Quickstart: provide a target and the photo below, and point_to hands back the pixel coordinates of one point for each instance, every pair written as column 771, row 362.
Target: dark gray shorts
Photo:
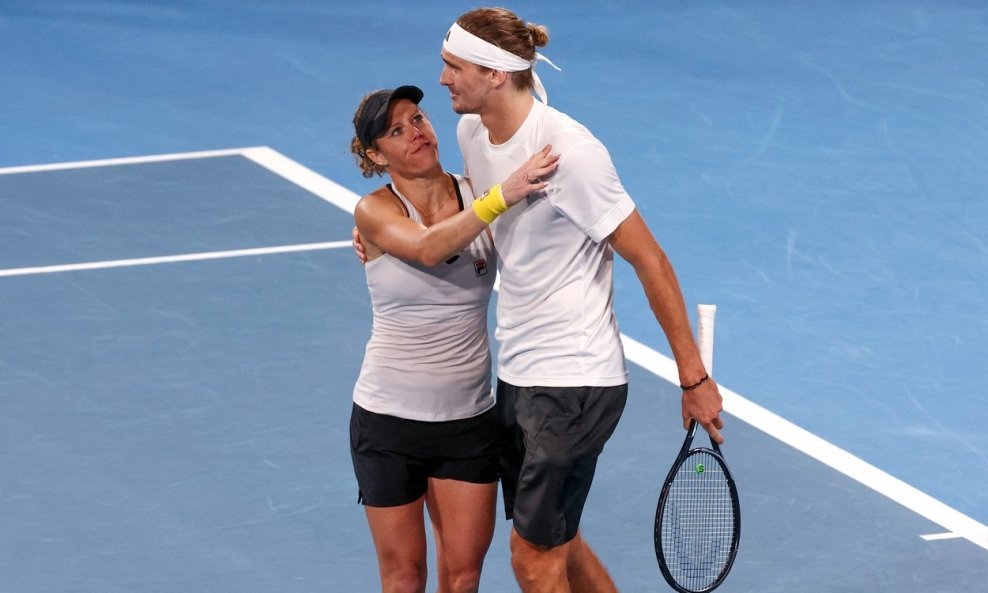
column 393, row 458
column 548, row 453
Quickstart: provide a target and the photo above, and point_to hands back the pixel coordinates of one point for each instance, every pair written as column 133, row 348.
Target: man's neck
column 503, row 118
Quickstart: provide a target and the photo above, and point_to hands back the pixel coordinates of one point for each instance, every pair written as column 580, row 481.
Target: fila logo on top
column 480, row 267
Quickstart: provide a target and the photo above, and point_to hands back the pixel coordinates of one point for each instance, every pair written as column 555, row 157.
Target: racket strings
column 697, row 524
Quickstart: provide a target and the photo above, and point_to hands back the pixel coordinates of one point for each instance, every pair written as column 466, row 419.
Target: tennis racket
column 698, row 518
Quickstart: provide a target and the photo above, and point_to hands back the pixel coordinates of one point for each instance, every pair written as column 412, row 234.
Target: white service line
column 939, row 536
column 166, row 259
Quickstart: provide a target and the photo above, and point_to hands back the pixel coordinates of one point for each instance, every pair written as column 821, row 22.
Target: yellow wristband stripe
column 490, row 205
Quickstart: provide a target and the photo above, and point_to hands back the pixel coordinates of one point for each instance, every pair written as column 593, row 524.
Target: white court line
column 956, row 523
column 303, row 177
column 156, row 158
column 802, row 440
column 167, row 259
column 262, row 155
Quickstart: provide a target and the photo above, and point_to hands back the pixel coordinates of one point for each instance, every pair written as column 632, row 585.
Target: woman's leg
column 399, row 538
column 462, row 516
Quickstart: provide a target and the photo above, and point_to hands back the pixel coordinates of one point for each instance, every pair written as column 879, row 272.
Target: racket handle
column 705, row 335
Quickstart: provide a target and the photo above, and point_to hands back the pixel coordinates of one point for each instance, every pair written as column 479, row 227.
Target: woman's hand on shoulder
column 530, row 177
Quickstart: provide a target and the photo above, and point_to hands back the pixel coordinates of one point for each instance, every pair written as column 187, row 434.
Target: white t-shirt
column 555, row 319
column 428, row 357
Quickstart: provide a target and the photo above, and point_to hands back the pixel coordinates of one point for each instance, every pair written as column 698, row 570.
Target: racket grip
column 705, row 335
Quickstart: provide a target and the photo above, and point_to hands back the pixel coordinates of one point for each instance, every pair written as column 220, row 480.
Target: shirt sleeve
column 588, row 191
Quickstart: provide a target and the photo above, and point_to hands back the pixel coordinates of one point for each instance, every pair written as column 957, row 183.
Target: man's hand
column 704, row 404
column 359, row 248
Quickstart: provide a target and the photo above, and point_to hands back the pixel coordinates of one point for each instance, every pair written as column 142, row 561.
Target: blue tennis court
column 184, row 318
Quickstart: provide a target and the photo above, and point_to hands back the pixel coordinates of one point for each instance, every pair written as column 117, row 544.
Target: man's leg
column 585, row 571
column 539, row 569
column 547, row 485
column 572, row 567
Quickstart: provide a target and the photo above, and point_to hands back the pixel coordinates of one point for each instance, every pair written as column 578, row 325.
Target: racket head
column 697, row 522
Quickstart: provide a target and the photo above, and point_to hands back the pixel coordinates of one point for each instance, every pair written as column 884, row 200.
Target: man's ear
column 499, row 78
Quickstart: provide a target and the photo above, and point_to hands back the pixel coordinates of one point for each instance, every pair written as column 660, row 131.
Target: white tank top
column 428, row 357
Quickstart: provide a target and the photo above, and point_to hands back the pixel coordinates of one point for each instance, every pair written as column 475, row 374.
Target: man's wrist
column 704, row 379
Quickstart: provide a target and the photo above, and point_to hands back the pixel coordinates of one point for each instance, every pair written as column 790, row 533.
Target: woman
column 423, row 429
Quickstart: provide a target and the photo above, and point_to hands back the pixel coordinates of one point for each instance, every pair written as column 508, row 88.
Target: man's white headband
column 467, row 46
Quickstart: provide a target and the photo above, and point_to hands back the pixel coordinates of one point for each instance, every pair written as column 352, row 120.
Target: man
column 562, row 380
